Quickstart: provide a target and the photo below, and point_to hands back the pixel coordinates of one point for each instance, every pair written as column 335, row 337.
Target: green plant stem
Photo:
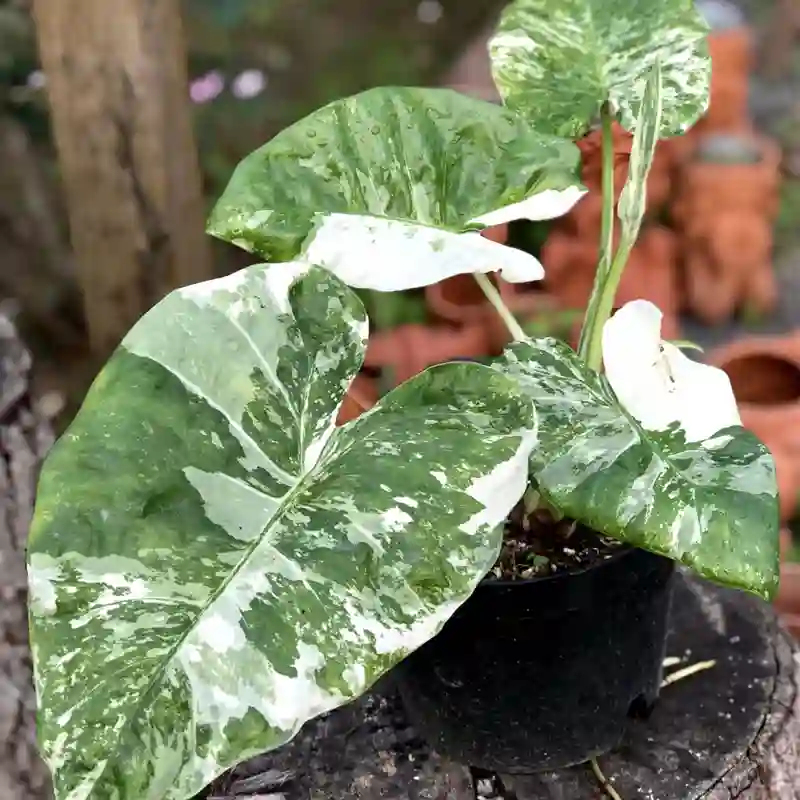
column 609, row 268
column 493, row 296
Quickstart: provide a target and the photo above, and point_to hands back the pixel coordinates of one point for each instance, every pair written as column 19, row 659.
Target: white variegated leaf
column 395, row 177
column 212, row 563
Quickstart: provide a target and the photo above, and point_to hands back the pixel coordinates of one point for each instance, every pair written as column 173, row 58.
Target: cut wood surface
column 732, row 731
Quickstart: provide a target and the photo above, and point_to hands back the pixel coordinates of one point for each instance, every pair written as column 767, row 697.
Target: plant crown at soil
column 213, row 562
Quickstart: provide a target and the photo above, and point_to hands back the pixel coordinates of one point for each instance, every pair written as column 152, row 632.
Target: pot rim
column 621, row 552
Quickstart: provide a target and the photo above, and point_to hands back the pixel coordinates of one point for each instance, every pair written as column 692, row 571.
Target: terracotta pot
column 710, row 293
column 659, row 182
column 592, row 158
column 361, row 396
column 651, row 273
column 460, row 301
column 765, row 375
column 787, row 602
column 724, row 213
column 786, row 540
column 787, row 469
column 409, row 349
column 497, row 233
column 731, row 53
column 729, row 267
column 585, row 218
column 707, row 187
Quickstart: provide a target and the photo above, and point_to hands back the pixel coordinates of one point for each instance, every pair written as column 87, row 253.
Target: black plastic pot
column 543, row 674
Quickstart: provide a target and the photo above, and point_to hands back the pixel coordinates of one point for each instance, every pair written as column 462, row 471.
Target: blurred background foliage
column 258, row 65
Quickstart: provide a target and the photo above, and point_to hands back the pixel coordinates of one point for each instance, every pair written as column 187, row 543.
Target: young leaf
column 632, row 201
column 711, row 505
column 212, row 563
column 381, row 187
column 657, row 383
column 559, row 61
column 685, row 344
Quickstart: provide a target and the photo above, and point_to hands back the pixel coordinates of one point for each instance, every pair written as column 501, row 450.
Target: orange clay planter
column 592, row 159
column 659, row 182
column 731, row 53
column 765, row 375
column 730, row 267
column 409, row 349
column 788, row 600
column 650, row 274
column 724, row 211
column 460, row 301
column 728, row 171
column 787, row 468
column 361, row 396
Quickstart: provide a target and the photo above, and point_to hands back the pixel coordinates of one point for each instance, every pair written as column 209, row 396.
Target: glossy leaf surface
column 558, row 61
column 711, row 505
column 366, row 174
column 212, row 563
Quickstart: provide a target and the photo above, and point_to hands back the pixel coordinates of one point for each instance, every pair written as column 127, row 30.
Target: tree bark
column 25, row 438
column 118, row 89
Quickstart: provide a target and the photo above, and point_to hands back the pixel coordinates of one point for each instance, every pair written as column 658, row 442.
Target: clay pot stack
column 462, row 325
column 726, row 195
column 765, row 375
column 571, row 251
column 718, row 187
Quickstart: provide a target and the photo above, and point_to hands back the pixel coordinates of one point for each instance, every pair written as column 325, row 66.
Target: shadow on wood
column 730, row 732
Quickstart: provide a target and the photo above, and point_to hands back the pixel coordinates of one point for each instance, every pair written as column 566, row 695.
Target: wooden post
column 118, row 89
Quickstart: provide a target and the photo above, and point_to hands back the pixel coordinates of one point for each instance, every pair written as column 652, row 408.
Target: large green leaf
column 711, row 505
column 379, row 188
column 559, row 61
column 212, row 563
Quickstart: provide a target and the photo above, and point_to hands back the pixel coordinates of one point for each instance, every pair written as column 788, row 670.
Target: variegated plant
column 213, row 562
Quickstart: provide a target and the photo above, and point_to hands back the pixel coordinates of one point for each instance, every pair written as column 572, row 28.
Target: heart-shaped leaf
column 711, row 505
column 380, row 187
column 212, row 563
column 559, row 61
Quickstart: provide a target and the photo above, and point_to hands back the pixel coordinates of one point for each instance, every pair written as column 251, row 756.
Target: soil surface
column 536, row 544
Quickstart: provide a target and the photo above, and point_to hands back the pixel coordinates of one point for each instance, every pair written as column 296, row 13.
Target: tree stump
column 25, row 437
column 732, row 731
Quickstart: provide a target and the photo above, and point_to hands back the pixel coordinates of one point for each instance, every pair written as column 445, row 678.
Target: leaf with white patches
column 558, row 61
column 711, row 504
column 633, row 199
column 212, row 562
column 382, row 188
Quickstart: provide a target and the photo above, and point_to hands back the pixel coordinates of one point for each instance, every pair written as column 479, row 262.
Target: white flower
column 657, row 383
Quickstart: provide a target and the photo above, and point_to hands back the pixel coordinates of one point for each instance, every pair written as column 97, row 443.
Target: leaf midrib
column 301, row 484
